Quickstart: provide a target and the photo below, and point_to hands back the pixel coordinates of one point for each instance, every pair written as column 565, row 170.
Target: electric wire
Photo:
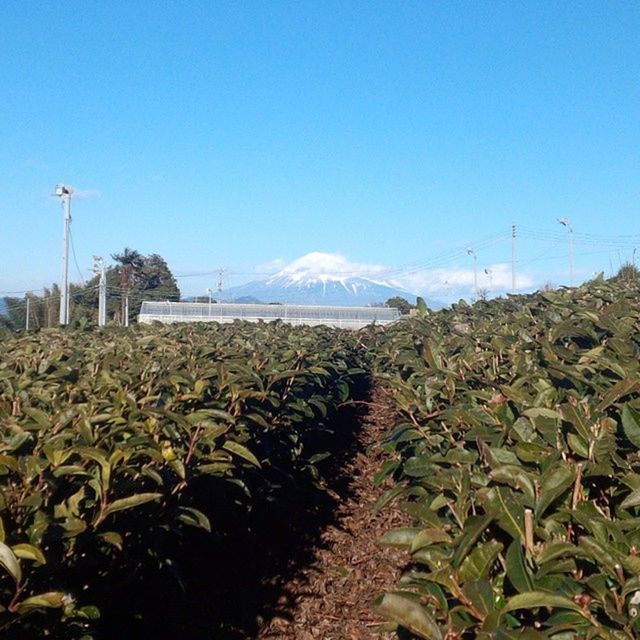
column 75, row 259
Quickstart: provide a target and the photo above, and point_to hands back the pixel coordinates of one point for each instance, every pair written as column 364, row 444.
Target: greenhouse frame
column 226, row 312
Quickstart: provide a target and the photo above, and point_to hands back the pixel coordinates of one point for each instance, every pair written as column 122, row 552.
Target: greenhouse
column 343, row 317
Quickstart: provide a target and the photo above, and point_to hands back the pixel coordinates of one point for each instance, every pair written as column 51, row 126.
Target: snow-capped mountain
column 323, row 279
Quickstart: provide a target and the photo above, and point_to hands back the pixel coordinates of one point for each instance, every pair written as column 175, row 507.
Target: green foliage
column 628, row 273
column 144, row 277
column 109, row 440
column 516, row 452
column 43, row 310
column 400, row 303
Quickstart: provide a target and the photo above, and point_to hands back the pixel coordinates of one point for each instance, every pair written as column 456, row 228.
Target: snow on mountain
column 323, row 279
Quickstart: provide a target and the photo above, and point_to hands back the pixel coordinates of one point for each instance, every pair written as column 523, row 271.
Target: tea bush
column 516, row 454
column 109, row 440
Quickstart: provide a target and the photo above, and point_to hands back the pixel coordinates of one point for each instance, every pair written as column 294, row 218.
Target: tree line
column 134, row 275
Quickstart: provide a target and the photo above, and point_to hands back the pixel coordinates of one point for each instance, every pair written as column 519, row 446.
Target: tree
column 44, row 310
column 141, row 277
column 629, row 273
column 404, row 306
column 131, row 262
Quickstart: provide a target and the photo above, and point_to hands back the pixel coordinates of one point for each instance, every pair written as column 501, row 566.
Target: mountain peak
column 324, row 267
column 323, row 279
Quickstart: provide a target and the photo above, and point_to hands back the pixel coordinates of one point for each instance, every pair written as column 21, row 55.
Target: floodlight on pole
column 489, row 273
column 565, row 222
column 472, row 253
column 65, row 193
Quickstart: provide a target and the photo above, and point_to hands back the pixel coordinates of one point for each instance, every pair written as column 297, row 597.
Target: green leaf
column 401, row 537
column 632, row 500
column 619, row 390
column 10, row 562
column 241, row 451
column 473, row 529
column 479, row 562
column 553, row 485
column 410, row 615
column 131, row 501
column 517, row 571
column 535, row 599
column 113, row 538
column 28, row 552
column 515, row 477
column 49, row 600
column 481, row 595
column 194, row 518
column 599, row 554
column 578, row 445
column 572, row 415
column 631, row 424
column 90, row 612
column 429, row 536
column 38, row 415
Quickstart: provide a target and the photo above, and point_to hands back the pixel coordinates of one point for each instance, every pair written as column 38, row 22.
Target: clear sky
column 247, row 134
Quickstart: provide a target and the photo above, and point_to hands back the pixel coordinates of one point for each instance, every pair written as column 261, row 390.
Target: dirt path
column 331, row 597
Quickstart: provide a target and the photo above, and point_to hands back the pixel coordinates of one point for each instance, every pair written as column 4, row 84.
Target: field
column 169, row 481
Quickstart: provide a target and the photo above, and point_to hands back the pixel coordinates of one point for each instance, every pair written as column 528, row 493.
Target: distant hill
column 309, row 280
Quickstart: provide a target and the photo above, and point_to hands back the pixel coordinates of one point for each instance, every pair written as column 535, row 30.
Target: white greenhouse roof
column 345, row 317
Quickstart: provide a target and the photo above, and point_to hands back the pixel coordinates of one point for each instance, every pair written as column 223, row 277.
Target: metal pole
column 26, row 320
column 126, row 309
column 102, row 295
column 513, row 258
column 65, row 194
column 472, row 253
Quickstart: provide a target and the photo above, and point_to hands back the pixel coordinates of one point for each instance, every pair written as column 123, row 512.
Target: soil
column 331, row 596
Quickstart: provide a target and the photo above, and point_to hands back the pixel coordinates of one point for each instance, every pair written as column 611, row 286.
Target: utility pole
column 472, row 253
column 565, row 222
column 209, row 292
column 221, row 272
column 513, row 258
column 98, row 268
column 65, row 193
column 26, row 320
column 124, row 306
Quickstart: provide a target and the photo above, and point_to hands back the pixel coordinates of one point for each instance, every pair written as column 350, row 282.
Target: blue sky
column 247, row 134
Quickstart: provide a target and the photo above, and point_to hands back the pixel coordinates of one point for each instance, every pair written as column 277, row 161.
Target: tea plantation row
column 114, row 443
column 517, row 455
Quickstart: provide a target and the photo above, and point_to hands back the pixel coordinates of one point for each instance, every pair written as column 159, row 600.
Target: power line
column 75, row 260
